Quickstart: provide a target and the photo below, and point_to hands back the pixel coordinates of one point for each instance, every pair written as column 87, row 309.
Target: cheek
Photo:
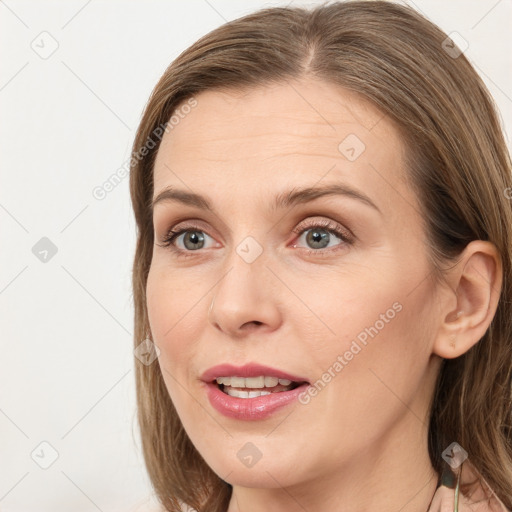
column 170, row 311
column 177, row 309
column 172, row 302
column 377, row 381
column 355, row 308
column 398, row 356
column 381, row 343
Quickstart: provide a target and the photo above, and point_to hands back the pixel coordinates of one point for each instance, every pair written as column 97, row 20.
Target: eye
column 193, row 239
column 319, row 233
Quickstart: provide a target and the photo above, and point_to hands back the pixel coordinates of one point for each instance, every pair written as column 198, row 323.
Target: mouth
column 254, row 387
column 252, row 391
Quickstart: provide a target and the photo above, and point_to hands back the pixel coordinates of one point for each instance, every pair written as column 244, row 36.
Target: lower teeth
column 239, row 393
column 245, row 394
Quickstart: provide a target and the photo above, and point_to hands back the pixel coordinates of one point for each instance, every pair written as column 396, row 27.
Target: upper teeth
column 252, row 382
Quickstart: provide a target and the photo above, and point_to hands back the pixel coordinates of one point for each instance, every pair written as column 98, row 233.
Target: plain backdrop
column 74, row 79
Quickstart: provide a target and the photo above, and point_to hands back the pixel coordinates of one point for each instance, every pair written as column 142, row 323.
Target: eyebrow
column 281, row 201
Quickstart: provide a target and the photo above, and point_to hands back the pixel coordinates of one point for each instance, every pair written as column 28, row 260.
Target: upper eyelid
column 196, row 223
column 307, row 209
column 331, row 225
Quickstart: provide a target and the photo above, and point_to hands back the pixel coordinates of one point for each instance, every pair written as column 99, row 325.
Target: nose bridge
column 244, row 293
column 246, row 266
column 249, row 235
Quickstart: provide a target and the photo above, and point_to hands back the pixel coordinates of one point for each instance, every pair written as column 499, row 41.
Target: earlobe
column 475, row 284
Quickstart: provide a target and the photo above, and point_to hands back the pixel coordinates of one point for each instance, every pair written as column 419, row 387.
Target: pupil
column 316, row 237
column 194, row 238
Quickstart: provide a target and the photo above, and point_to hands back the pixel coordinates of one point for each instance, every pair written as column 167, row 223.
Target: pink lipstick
column 252, row 391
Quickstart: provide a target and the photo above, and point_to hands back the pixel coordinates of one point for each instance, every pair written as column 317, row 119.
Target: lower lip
column 257, row 408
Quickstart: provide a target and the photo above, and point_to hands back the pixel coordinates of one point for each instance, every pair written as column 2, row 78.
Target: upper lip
column 247, row 370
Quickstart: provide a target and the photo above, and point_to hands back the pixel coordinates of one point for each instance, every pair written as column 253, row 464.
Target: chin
column 244, row 465
column 255, row 477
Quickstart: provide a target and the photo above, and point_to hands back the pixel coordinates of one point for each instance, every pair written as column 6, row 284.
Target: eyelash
column 345, row 235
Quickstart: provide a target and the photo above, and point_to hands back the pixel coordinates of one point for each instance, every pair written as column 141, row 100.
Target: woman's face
column 331, row 288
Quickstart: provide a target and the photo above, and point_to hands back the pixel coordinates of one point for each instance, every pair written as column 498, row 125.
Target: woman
column 323, row 264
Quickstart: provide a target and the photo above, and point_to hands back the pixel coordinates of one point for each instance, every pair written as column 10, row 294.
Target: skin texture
column 361, row 443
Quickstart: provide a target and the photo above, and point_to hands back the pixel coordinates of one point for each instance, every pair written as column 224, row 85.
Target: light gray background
column 67, row 124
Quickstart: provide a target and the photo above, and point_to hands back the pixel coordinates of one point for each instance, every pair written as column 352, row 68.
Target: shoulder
column 444, row 501
column 475, row 495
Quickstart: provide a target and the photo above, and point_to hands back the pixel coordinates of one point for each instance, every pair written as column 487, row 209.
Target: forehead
column 268, row 136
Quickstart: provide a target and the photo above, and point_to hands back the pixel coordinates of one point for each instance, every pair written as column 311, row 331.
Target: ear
column 470, row 301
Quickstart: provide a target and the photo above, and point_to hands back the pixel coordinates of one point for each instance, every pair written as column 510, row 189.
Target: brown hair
column 458, row 164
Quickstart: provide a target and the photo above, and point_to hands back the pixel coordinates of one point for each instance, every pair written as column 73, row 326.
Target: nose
column 246, row 299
